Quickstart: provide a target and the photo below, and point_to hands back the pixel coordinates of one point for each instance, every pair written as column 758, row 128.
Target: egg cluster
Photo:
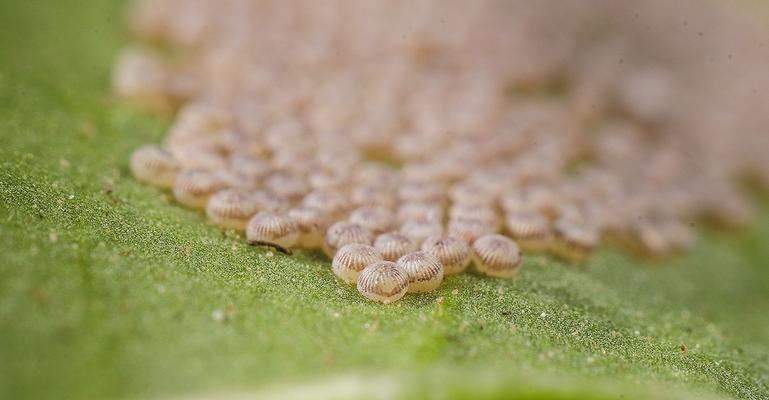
column 411, row 139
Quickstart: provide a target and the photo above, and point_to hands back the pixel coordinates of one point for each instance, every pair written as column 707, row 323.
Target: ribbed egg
column 272, row 228
column 425, row 271
column 530, row 229
column 419, row 212
column 393, row 245
column 288, row 186
column 312, row 224
column 452, row 252
column 483, row 213
column 574, row 239
column 231, row 208
column 377, row 219
column 351, row 259
column 468, row 229
column 333, row 203
column 373, row 195
column 496, row 255
column 193, row 188
column 342, row 233
column 419, row 230
column 155, row 166
column 384, row 282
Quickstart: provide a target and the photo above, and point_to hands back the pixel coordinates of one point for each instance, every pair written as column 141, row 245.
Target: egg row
column 385, row 281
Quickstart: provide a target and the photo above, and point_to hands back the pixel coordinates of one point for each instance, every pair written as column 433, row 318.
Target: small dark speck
column 700, row 34
column 730, row 56
column 452, row 338
column 686, row 23
column 506, row 313
column 621, row 61
column 39, row 295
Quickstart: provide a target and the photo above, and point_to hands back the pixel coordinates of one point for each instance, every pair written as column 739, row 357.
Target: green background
column 107, row 288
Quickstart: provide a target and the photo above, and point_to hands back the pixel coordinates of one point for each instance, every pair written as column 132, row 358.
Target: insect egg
column 333, row 203
column 423, row 171
column 383, row 282
column 375, row 174
column 155, row 166
column 376, row 219
column 207, row 114
column 233, row 180
column 296, row 161
column 312, row 224
column 484, row 213
column 467, row 192
column 193, row 188
column 424, row 270
column 573, row 239
column 231, row 208
column 679, row 235
column 513, row 201
column 251, row 170
column 286, row 185
column 419, row 192
column 271, row 228
column 351, row 259
column 141, row 75
column 393, row 245
column 284, row 133
column 452, row 252
column 491, row 181
column 530, row 229
column 373, row 195
column 342, row 233
column 419, row 212
column 419, row 230
column 198, row 157
column 226, row 141
column 416, row 147
column 541, row 198
column 337, row 160
column 269, row 201
column 468, row 229
column 325, row 180
column 650, row 239
column 496, row 255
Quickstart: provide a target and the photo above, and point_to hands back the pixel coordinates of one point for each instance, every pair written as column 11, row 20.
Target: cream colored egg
column 351, row 259
column 497, row 256
column 384, row 282
column 155, row 166
column 272, row 228
column 425, row 272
